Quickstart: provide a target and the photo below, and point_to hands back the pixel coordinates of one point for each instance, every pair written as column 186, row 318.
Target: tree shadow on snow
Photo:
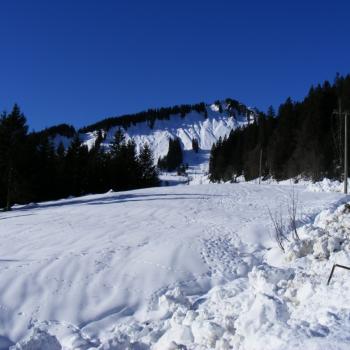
column 117, row 198
column 15, row 216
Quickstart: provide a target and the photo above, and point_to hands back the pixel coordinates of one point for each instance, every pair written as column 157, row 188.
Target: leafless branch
column 292, row 206
column 279, row 228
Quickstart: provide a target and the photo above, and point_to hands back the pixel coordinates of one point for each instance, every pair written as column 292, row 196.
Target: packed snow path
column 88, row 263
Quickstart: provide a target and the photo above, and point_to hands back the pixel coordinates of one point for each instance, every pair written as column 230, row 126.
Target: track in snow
column 90, row 262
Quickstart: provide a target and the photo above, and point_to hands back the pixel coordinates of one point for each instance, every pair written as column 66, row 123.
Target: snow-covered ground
column 325, row 185
column 184, row 267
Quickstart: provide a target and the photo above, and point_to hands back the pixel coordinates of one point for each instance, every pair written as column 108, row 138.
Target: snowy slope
column 188, row 265
column 193, row 125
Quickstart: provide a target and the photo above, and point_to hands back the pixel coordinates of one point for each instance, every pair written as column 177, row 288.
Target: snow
column 38, row 339
column 194, row 125
column 327, row 185
column 181, row 267
column 207, row 130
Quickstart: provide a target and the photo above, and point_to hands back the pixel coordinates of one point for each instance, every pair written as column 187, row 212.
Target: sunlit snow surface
column 185, row 267
column 194, row 125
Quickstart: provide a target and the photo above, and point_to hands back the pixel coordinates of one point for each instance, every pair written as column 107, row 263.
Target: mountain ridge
column 204, row 122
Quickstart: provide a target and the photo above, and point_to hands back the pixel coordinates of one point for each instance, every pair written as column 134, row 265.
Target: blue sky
column 80, row 61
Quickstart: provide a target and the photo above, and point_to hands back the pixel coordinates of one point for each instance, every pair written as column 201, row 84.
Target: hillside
column 60, row 161
column 207, row 126
column 304, row 139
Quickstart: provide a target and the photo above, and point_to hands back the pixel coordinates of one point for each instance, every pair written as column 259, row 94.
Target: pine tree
column 97, row 170
column 99, row 139
column 76, row 161
column 44, row 172
column 174, row 156
column 195, row 145
column 124, row 168
column 271, row 112
column 61, row 176
column 130, row 171
column 118, row 142
column 116, row 160
column 149, row 175
column 13, row 131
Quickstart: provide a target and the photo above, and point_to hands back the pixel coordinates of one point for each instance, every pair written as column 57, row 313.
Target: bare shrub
column 292, row 207
column 282, row 228
column 279, row 228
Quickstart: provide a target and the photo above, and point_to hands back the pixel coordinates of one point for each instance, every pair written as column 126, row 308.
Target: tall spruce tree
column 76, row 161
column 195, row 145
column 116, row 172
column 124, row 169
column 148, row 171
column 174, row 157
column 13, row 131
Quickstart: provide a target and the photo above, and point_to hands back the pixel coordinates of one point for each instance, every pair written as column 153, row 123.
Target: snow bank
column 326, row 185
column 38, row 339
column 281, row 308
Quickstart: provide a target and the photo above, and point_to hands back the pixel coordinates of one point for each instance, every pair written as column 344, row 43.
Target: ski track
column 89, row 262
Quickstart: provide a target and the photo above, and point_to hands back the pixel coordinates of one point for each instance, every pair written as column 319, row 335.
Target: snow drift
column 186, row 267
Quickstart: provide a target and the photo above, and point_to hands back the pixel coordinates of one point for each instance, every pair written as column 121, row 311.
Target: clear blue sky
column 78, row 61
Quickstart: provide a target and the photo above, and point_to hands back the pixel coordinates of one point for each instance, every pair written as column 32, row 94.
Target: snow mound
column 38, row 339
column 282, row 308
column 327, row 185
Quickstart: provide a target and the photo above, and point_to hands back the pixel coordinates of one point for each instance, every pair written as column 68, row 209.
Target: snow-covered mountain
column 206, row 128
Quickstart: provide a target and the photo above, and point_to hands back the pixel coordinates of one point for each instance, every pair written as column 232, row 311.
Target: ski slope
column 133, row 270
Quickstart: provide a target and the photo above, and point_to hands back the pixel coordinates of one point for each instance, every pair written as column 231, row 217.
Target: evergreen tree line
column 61, row 129
column 303, row 139
column 232, row 107
column 174, row 157
column 149, row 116
column 32, row 169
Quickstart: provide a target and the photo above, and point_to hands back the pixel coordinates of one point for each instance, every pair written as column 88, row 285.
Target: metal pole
column 340, row 130
column 340, row 114
column 346, row 154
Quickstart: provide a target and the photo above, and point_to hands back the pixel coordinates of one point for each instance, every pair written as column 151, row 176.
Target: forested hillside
column 32, row 169
column 304, row 139
column 116, row 153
